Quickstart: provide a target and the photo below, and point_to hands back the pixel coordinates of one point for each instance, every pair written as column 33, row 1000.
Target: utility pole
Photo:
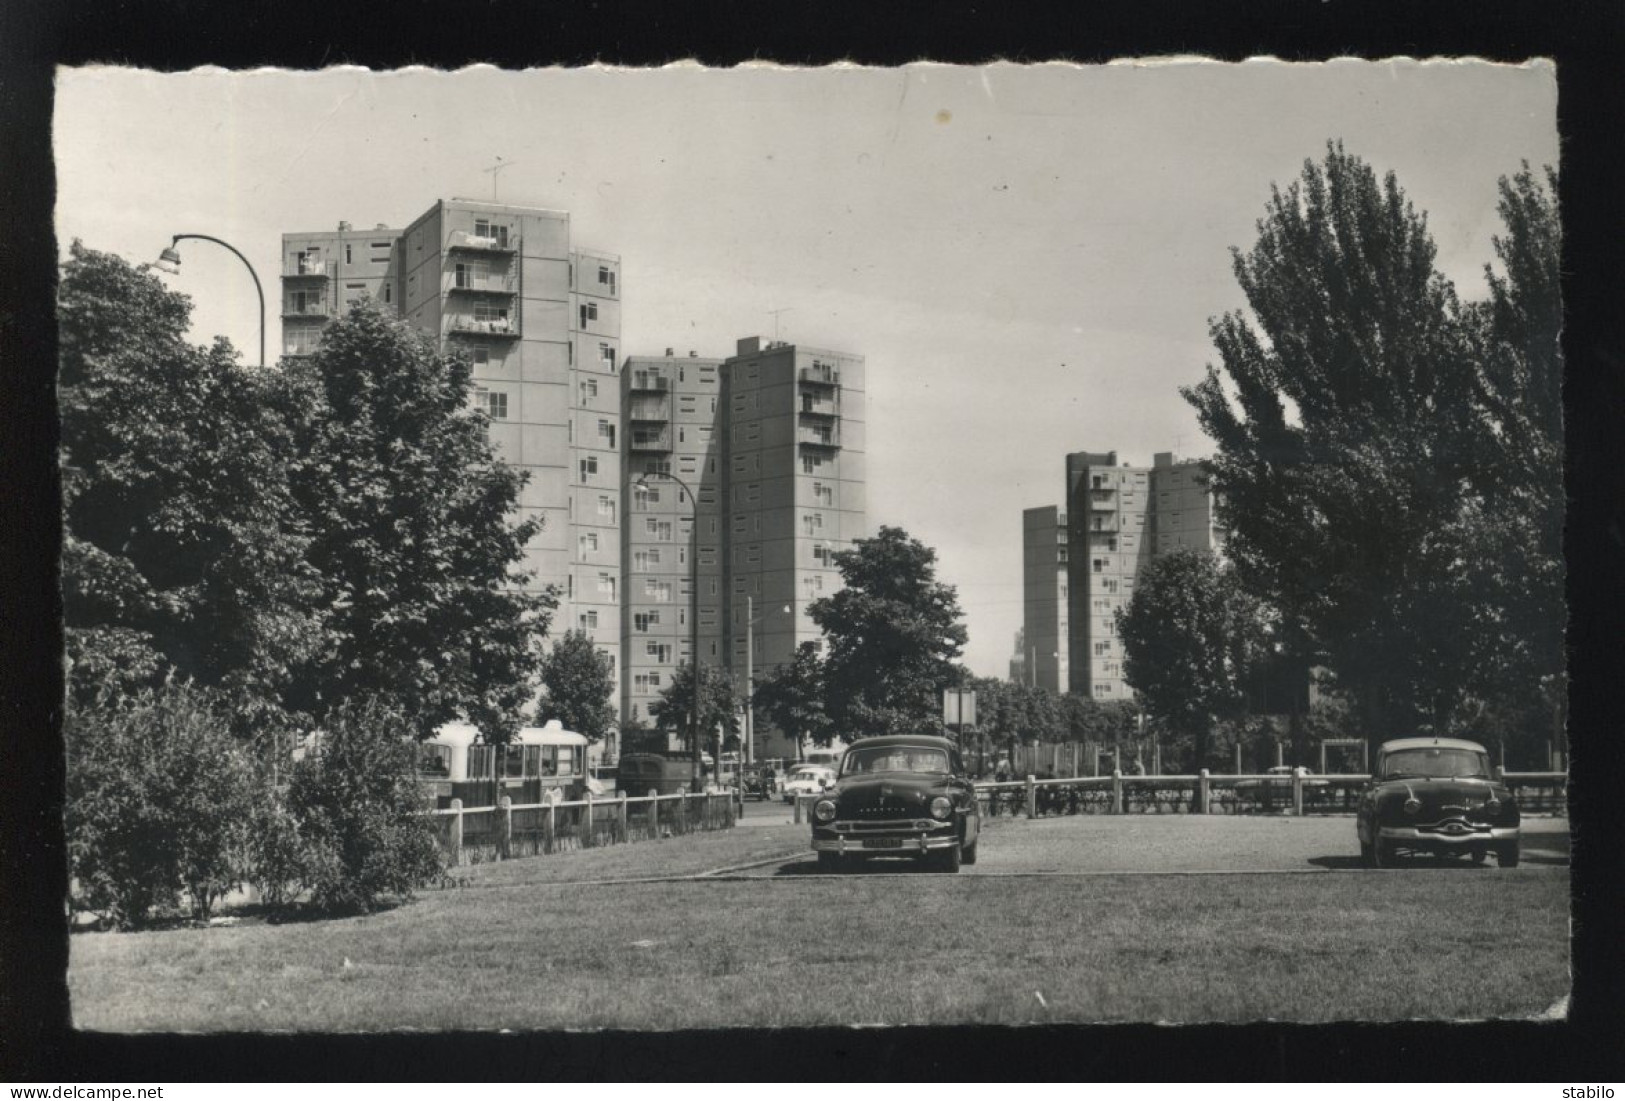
column 750, row 677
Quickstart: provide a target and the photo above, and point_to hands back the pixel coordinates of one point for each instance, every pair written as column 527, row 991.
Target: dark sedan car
column 901, row 795
column 1437, row 796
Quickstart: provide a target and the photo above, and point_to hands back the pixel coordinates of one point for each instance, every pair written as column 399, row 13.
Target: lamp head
column 169, row 260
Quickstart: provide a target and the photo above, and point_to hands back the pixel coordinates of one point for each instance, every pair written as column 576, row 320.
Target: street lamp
column 170, row 261
column 642, row 486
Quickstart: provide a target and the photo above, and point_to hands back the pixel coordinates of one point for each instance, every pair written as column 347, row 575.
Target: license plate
column 883, row 843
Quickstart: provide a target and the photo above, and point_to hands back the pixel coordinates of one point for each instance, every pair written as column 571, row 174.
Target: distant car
column 758, row 783
column 1438, row 796
column 1277, row 782
column 807, row 780
column 901, row 795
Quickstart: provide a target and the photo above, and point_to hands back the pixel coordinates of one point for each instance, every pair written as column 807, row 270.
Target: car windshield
column 895, row 758
column 1435, row 762
column 806, row 774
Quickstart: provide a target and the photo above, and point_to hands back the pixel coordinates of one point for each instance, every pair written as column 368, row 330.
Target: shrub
column 158, row 794
column 356, row 802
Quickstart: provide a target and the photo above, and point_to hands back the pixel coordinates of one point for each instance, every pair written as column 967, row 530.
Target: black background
column 1584, row 37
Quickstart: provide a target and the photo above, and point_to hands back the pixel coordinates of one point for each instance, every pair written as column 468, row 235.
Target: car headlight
column 824, row 810
column 1413, row 806
column 941, row 807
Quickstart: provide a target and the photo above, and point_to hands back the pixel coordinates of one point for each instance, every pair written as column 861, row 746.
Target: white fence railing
column 478, row 835
column 1299, row 793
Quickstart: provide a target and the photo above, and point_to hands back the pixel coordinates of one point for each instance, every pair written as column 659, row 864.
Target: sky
column 1026, row 256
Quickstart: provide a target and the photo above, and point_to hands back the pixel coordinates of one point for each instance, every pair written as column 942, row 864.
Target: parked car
column 1436, row 795
column 758, row 783
column 807, row 780
column 901, row 795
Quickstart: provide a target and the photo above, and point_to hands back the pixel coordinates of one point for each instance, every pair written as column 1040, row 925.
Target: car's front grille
column 889, row 824
column 1454, row 827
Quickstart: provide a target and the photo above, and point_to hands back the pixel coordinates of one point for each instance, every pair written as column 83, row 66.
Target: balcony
column 474, row 326
column 645, row 381
column 295, row 310
column 812, row 407
column 307, row 269
column 492, row 284
column 506, row 244
column 646, row 408
column 818, row 437
column 649, row 441
column 820, row 374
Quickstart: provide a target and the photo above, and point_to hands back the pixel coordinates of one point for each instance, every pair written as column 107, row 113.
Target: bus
column 455, row 764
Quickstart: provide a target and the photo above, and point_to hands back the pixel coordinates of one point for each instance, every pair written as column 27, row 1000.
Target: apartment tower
column 540, row 322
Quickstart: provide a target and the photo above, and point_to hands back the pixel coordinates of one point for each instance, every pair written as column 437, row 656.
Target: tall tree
column 1342, row 440
column 791, row 697
column 184, row 550
column 718, row 713
column 578, row 686
column 1191, row 640
column 894, row 633
column 413, row 532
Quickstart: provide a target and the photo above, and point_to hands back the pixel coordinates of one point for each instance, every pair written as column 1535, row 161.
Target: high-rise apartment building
column 1080, row 563
column 771, row 443
column 1045, row 614
column 674, row 426
column 540, row 321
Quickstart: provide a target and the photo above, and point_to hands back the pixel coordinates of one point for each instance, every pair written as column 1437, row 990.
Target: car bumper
column 879, row 843
column 1438, row 839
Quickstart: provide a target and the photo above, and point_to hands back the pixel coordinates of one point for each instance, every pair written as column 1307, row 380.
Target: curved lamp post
column 642, row 486
column 170, row 260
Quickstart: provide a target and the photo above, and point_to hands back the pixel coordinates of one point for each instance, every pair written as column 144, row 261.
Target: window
column 821, row 553
column 606, row 430
column 660, row 651
column 606, row 509
column 588, row 467
column 1102, row 689
column 589, row 312
column 814, row 584
column 740, row 523
column 658, row 529
column 658, row 591
column 753, row 554
column 1103, row 648
column 606, row 278
column 649, row 681
column 642, row 621
column 823, row 494
column 491, row 231
column 811, row 463
column 387, row 295
column 589, row 390
column 812, row 523
column 753, row 492
column 588, row 541
column 300, row 342
column 1099, row 564
column 308, row 261
column 468, row 276
column 495, row 316
column 589, row 619
column 606, row 586
column 481, row 357
column 492, row 403
column 606, row 356
column 708, row 556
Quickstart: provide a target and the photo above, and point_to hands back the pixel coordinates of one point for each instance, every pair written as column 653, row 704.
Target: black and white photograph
column 774, row 547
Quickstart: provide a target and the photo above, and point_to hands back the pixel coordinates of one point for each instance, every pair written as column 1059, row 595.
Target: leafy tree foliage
column 1191, row 640
column 1365, row 431
column 408, row 512
column 158, row 793
column 578, row 686
column 718, row 707
column 791, row 697
column 355, row 802
column 894, row 633
column 183, row 546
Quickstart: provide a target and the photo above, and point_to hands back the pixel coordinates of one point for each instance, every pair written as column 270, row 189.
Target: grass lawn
column 521, row 947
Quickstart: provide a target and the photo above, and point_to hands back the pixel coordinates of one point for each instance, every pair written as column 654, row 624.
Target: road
column 1151, row 844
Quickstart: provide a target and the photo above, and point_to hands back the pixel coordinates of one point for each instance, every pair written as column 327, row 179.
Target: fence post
column 1203, row 805
column 456, row 845
column 797, row 803
column 586, row 822
column 1297, row 791
column 654, row 811
column 624, row 834
column 505, row 836
column 549, row 827
column 1032, row 796
column 1117, row 791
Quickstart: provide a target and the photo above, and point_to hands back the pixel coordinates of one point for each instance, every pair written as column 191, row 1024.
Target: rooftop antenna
column 495, row 169
column 776, row 313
